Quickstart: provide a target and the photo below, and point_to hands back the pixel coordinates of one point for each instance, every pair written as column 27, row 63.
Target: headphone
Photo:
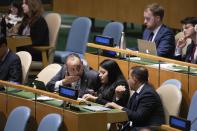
column 195, row 28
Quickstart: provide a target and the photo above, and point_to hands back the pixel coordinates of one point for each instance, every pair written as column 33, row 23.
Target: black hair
column 114, row 72
column 140, row 73
column 18, row 5
column 2, row 39
column 189, row 20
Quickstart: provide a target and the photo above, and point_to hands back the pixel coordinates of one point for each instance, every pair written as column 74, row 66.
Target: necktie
column 132, row 100
column 150, row 36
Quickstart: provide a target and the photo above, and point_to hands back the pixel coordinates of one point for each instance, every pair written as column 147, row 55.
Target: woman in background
column 14, row 17
column 111, row 78
column 34, row 24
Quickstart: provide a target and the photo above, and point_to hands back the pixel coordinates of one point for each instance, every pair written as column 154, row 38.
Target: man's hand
column 119, row 91
column 70, row 79
column 181, row 42
column 113, row 105
column 89, row 97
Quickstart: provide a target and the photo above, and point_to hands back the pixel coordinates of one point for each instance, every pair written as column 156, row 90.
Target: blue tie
column 150, row 36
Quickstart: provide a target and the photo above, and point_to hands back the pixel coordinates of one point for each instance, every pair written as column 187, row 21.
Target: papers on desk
column 96, row 108
column 175, row 67
column 42, row 98
column 167, row 66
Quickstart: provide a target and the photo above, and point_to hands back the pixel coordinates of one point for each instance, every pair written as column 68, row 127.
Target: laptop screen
column 147, row 47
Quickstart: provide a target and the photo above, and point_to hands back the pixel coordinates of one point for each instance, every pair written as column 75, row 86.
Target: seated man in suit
column 10, row 64
column 189, row 31
column 73, row 74
column 144, row 107
column 157, row 32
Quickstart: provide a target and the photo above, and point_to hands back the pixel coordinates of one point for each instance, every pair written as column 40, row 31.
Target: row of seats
column 18, row 120
column 77, row 38
column 169, row 91
column 171, row 96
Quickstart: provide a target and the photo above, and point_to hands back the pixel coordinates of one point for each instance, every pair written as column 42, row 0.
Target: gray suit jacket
column 89, row 80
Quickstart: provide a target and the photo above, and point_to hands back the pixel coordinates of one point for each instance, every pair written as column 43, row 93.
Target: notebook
column 147, row 47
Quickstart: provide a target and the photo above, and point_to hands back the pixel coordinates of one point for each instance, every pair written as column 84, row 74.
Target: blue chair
column 17, row 119
column 114, row 30
column 77, row 39
column 175, row 82
column 192, row 114
column 50, row 122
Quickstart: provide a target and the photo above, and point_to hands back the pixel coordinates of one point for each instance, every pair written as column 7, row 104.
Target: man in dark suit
column 144, row 107
column 189, row 31
column 157, row 32
column 73, row 74
column 10, row 64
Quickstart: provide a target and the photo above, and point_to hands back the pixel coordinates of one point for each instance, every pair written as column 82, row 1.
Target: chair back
column 26, row 60
column 17, row 119
column 48, row 73
column 171, row 98
column 175, row 82
column 192, row 114
column 114, row 30
column 51, row 122
column 53, row 21
column 78, row 35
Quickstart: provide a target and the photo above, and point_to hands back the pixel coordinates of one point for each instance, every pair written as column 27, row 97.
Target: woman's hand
column 113, row 105
column 89, row 97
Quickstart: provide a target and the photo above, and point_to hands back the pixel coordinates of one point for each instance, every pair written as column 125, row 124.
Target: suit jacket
column 10, row 68
column 89, row 80
column 39, row 34
column 165, row 41
column 187, row 57
column 146, row 109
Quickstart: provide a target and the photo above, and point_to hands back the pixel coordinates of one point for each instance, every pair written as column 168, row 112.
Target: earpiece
column 195, row 28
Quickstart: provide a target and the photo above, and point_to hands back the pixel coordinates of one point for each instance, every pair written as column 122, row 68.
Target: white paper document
column 96, row 108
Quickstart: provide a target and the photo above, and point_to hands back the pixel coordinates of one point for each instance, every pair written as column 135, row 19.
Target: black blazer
column 10, row 68
column 107, row 93
column 165, row 41
column 89, row 80
column 146, row 109
column 187, row 56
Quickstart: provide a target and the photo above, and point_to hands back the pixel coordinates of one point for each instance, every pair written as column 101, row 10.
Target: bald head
column 74, row 65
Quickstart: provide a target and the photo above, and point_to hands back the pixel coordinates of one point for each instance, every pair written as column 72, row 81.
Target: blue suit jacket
column 10, row 68
column 165, row 41
column 146, row 109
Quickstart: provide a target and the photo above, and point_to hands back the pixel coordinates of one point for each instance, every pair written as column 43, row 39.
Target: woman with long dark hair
column 111, row 78
column 34, row 24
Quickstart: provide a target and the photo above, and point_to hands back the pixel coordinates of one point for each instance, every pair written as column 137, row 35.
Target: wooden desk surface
column 17, row 41
column 72, row 121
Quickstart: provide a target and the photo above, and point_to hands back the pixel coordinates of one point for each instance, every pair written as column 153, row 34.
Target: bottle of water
column 122, row 44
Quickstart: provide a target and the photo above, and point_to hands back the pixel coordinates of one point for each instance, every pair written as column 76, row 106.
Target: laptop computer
column 147, row 47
